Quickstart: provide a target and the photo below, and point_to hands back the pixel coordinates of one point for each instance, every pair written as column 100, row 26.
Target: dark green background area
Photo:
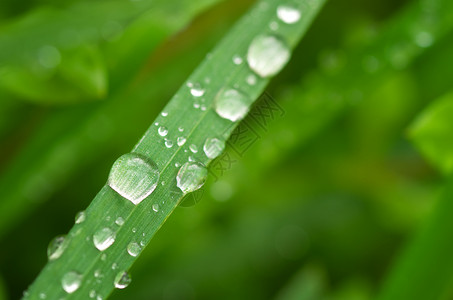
column 331, row 198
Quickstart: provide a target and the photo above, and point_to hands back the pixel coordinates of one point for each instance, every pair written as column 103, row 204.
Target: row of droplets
column 135, row 177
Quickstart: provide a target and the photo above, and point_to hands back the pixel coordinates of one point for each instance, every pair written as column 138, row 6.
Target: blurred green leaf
column 432, row 131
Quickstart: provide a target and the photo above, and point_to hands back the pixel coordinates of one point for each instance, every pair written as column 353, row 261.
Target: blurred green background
column 332, row 182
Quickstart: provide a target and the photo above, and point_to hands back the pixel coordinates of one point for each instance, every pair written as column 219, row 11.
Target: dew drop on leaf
column 288, row 14
column 122, row 280
column 134, row 177
column 71, row 282
column 231, row 104
column 191, row 177
column 80, row 217
column 119, row 221
column 104, row 238
column 156, row 207
column 181, row 141
column 133, row 249
column 267, row 55
column 162, row 131
column 213, row 147
column 56, row 247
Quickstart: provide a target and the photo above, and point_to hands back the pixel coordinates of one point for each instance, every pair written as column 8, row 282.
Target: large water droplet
column 213, row 147
column 287, row 14
column 191, row 177
column 134, row 177
column 104, row 238
column 122, row 280
column 162, row 131
column 133, row 249
column 267, row 55
column 56, row 247
column 71, row 282
column 231, row 104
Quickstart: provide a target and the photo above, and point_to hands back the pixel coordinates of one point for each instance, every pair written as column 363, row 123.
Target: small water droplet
column 196, row 90
column 163, row 131
column 97, row 273
column 92, row 294
column 191, row 177
column 164, row 114
column 213, row 147
column 114, row 266
column 168, row 143
column 231, row 104
column 142, row 243
column 122, row 280
column 267, row 55
column 71, row 282
column 180, row 129
column 134, row 177
column 56, row 247
column 251, row 79
column 196, row 105
column 177, row 164
column 288, row 14
column 80, row 217
column 156, row 207
column 119, row 221
column 156, row 123
column 193, row 148
column 42, row 296
column 134, row 230
column 133, row 249
column 237, row 60
column 203, row 107
column 191, row 158
column 104, row 238
column 181, row 141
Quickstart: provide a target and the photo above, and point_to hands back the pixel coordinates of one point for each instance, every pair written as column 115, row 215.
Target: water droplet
column 80, row 217
column 103, row 238
column 196, row 90
column 156, row 123
column 142, row 243
column 196, row 105
column 119, row 221
column 168, row 143
column 213, row 147
column 42, row 296
column 180, row 129
column 267, row 55
column 193, row 148
column 122, row 280
column 164, row 114
column 251, row 79
column 287, row 14
column 156, row 207
column 191, row 158
column 231, row 104
column 97, row 273
column 133, row 249
column 71, row 282
column 181, row 141
column 99, row 297
column 92, row 294
column 191, row 177
column 134, row 177
column 177, row 164
column 134, row 230
column 114, row 266
column 163, row 131
column 203, row 107
column 56, row 247
column 237, row 60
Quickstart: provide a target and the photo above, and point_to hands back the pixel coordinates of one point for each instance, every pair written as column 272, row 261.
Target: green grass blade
column 425, row 268
column 67, row 134
column 215, row 74
column 324, row 94
column 431, row 133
